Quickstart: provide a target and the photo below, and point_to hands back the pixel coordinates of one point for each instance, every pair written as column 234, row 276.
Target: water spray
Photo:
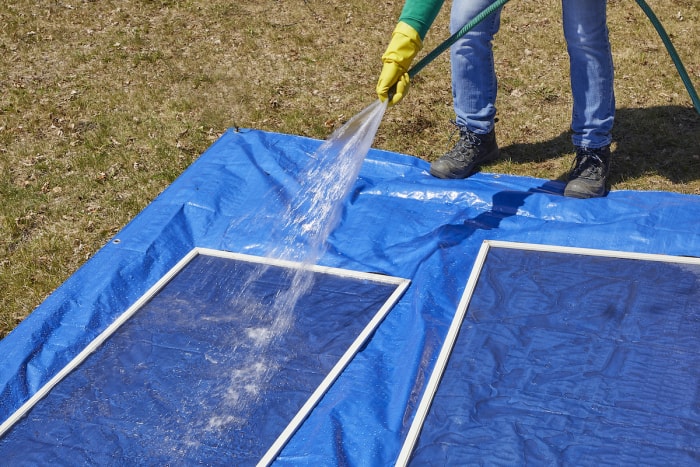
column 415, row 69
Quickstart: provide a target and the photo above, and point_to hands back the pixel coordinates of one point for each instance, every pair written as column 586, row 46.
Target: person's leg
column 586, row 34
column 591, row 70
column 473, row 90
column 474, row 83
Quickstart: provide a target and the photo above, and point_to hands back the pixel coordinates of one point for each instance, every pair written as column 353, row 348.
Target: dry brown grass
column 103, row 103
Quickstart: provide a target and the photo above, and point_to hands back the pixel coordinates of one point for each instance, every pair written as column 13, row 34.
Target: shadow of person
column 662, row 141
column 657, row 140
column 504, row 204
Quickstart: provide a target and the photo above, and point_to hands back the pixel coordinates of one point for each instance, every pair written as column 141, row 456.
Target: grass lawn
column 104, row 103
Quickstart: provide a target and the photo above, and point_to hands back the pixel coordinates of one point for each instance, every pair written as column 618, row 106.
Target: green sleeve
column 420, row 14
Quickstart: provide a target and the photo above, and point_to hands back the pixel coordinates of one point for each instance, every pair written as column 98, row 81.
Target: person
column 474, row 86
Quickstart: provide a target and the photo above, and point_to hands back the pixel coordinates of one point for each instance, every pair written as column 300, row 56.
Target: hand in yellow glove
column 404, row 46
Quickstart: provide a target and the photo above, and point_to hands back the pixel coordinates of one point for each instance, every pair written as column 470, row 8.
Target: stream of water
column 311, row 216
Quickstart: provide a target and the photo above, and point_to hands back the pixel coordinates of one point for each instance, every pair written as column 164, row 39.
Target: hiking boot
column 589, row 176
column 466, row 156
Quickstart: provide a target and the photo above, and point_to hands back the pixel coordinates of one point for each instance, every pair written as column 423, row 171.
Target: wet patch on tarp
column 207, row 368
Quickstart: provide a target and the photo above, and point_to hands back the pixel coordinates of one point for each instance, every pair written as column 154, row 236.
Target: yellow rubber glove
column 404, row 46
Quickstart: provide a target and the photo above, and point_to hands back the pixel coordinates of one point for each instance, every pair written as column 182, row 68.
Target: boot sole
column 492, row 156
column 580, row 192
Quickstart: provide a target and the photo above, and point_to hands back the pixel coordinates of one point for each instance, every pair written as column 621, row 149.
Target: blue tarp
column 398, row 221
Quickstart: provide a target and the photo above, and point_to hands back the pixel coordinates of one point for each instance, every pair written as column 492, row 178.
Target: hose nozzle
column 392, row 92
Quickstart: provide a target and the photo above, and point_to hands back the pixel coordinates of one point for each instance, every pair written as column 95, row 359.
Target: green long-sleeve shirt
column 420, row 14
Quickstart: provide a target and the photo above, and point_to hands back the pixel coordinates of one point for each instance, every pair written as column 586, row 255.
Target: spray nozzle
column 392, row 92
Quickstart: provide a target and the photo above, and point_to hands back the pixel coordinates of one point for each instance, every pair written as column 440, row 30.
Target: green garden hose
column 455, row 37
column 499, row 3
column 672, row 52
column 423, row 62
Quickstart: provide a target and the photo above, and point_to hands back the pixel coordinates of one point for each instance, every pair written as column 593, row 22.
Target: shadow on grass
column 658, row 140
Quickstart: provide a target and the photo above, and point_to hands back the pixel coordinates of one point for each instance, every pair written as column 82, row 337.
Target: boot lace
column 588, row 165
column 463, row 150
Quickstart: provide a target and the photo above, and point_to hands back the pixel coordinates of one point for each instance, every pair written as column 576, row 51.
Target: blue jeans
column 474, row 82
